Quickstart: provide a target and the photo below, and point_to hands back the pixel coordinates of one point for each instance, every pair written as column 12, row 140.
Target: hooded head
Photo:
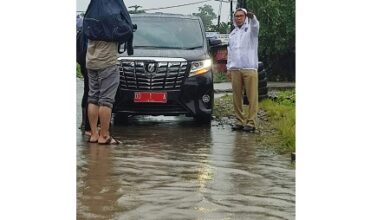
column 240, row 17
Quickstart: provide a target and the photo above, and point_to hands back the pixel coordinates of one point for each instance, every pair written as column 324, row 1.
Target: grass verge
column 281, row 112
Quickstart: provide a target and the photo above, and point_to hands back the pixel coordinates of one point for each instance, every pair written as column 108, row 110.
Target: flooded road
column 173, row 168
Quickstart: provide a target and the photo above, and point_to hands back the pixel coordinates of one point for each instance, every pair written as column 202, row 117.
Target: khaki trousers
column 245, row 80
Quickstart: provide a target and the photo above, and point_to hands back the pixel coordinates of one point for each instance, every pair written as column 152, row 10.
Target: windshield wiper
column 164, row 47
column 158, row 47
column 192, row 48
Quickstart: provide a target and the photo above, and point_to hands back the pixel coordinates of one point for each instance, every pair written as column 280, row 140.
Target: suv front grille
column 152, row 74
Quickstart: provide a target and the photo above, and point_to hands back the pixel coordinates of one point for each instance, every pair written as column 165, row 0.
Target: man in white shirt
column 242, row 65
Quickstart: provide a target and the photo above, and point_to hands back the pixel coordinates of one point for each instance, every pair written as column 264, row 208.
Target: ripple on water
column 181, row 171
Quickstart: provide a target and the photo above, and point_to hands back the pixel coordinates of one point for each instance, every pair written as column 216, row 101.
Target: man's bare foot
column 88, row 133
column 93, row 139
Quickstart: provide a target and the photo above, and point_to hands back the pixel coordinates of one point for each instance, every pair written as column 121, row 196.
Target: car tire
column 263, row 97
column 260, row 66
column 262, row 75
column 263, row 83
column 245, row 100
column 263, row 91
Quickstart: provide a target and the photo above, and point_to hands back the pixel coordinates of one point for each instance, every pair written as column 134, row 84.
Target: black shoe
column 248, row 128
column 237, row 127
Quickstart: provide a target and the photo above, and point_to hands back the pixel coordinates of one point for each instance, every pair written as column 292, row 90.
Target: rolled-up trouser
column 84, row 72
column 84, row 102
column 245, row 79
column 103, row 84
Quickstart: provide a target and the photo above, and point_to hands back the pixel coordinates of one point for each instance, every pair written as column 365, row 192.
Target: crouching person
column 103, row 76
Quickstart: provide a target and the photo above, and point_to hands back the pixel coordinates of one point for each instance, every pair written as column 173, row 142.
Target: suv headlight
column 200, row 67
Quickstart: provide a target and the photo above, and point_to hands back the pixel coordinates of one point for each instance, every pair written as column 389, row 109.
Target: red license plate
column 156, row 97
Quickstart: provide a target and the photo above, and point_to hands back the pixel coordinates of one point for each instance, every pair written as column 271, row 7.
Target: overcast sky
column 147, row 4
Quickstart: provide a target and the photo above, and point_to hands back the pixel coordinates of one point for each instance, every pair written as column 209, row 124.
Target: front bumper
column 188, row 100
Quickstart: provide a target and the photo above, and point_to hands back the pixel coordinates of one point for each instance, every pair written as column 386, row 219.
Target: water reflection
column 97, row 187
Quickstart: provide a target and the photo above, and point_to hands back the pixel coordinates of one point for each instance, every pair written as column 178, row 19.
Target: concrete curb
column 227, row 87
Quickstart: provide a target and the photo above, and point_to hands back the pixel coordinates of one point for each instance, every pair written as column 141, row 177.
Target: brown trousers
column 245, row 80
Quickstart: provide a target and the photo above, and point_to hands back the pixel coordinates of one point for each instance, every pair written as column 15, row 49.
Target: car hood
column 189, row 55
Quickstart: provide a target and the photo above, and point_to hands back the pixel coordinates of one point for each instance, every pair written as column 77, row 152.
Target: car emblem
column 151, row 67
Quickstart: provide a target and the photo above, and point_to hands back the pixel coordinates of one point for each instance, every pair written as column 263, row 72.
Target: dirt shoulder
column 268, row 133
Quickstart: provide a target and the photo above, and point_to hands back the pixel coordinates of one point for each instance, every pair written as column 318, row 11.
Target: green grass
column 220, row 77
column 78, row 71
column 281, row 112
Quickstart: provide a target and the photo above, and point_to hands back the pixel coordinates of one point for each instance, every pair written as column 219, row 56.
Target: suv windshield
column 167, row 32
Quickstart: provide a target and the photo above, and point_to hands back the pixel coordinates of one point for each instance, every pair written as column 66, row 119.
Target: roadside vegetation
column 78, row 71
column 220, row 77
column 276, row 36
column 281, row 112
column 276, row 119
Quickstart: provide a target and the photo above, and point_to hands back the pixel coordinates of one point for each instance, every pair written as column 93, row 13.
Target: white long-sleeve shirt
column 243, row 42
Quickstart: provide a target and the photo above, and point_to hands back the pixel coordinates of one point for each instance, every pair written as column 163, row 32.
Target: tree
column 135, row 11
column 224, row 28
column 277, row 36
column 206, row 13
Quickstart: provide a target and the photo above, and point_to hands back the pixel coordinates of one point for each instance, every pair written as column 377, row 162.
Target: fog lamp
column 206, row 98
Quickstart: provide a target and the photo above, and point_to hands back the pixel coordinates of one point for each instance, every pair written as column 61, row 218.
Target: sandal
column 111, row 140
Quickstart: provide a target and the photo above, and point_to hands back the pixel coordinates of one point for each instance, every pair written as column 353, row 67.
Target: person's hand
column 250, row 15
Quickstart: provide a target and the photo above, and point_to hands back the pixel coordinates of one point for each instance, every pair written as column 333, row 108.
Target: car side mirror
column 214, row 42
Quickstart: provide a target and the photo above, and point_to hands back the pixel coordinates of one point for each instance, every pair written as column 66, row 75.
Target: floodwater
column 174, row 168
